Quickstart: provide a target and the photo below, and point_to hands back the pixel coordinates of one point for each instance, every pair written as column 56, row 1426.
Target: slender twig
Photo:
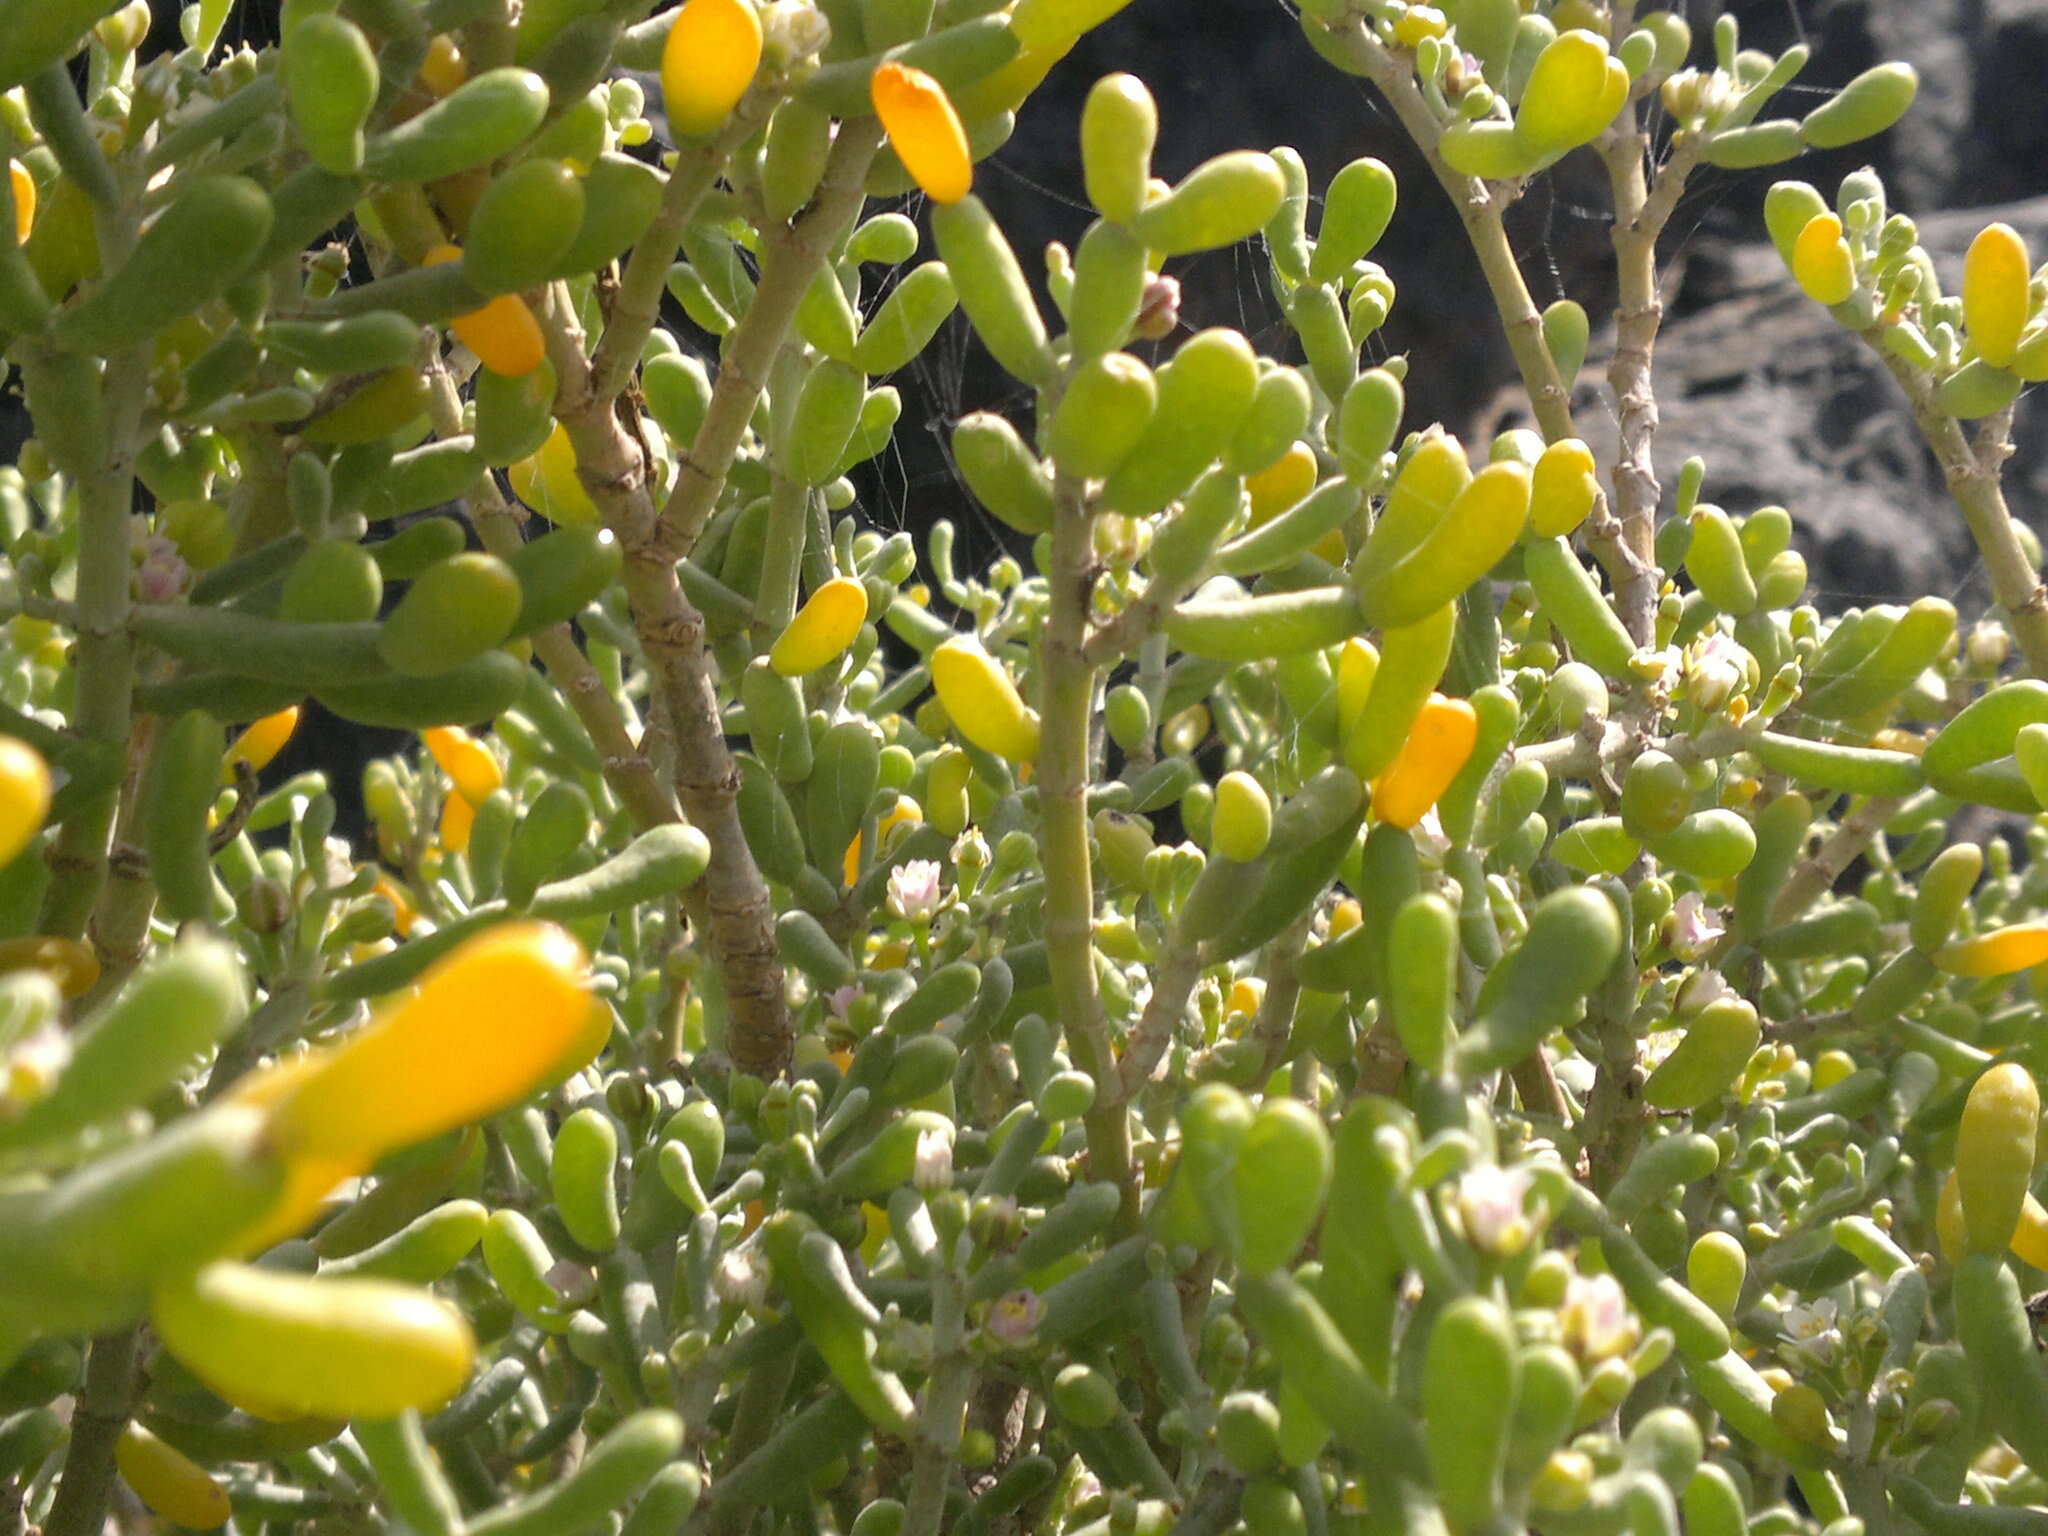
column 625, row 767
column 1595, row 745
column 1818, row 871
column 120, row 922
column 936, row 1446
column 102, row 1410
column 1273, row 1028
column 1536, row 1081
column 1482, row 206
column 1173, row 982
column 1973, row 480
column 1810, row 1026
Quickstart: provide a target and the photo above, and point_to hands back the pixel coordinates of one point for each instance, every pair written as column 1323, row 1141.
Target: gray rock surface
column 1787, row 407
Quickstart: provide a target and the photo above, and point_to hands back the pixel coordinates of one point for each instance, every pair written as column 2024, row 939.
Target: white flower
column 1657, row 666
column 340, row 868
column 1694, row 929
column 1716, row 671
column 1493, row 1205
column 1701, row 989
column 931, row 1166
column 841, row 1001
column 1656, row 1045
column 1014, row 1317
column 1812, row 1329
column 914, row 890
column 792, row 31
column 1428, row 836
column 1597, row 1323
column 34, row 1064
column 737, row 1278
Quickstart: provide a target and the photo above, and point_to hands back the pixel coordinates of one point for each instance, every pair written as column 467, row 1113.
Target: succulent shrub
column 1357, row 982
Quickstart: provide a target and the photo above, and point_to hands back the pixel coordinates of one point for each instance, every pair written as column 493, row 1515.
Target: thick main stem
column 105, row 657
column 739, row 913
column 637, row 304
column 625, row 767
column 1639, row 217
column 1066, row 709
column 1614, row 1112
column 792, row 259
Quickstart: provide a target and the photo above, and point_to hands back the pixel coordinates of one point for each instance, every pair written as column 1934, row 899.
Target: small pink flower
column 737, row 1278
column 1014, row 1317
column 914, row 890
column 841, row 1001
column 1597, row 1323
column 1694, row 929
column 1701, row 989
column 572, row 1283
column 163, row 572
column 1493, row 1204
column 1158, row 309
